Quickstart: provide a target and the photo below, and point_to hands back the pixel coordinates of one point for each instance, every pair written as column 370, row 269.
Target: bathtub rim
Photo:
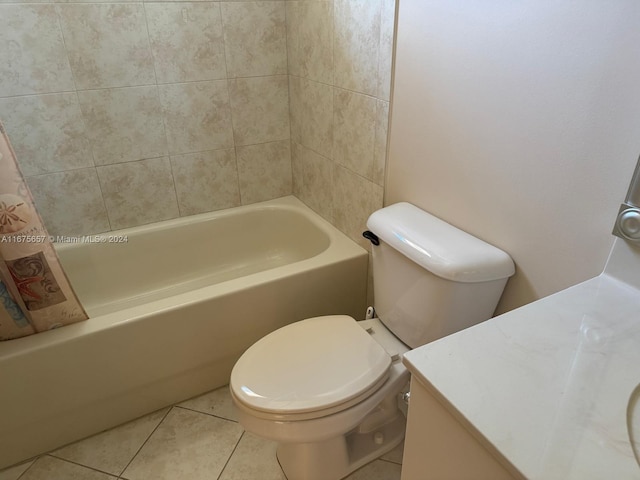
column 283, row 203
column 339, row 248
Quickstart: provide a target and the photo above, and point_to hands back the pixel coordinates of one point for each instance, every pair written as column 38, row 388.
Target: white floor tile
column 186, row 445
column 395, row 455
column 218, row 403
column 254, row 458
column 49, row 468
column 12, row 473
column 198, row 440
column 377, row 470
column 111, row 451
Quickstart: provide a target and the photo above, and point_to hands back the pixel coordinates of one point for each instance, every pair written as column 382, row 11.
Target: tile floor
column 199, row 439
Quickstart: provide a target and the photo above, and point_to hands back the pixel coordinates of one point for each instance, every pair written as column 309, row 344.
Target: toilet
column 331, row 390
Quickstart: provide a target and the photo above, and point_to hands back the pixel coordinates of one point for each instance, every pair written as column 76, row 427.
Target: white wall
column 519, row 122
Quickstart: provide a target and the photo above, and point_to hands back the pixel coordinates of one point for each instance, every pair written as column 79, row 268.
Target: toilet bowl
column 340, row 412
column 329, row 389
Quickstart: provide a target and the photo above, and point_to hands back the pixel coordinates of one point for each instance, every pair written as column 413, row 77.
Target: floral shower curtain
column 35, row 294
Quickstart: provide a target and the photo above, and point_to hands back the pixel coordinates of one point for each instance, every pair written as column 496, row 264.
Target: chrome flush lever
column 628, row 221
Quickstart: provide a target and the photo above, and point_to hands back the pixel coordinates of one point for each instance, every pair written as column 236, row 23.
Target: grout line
column 235, row 155
column 231, row 455
column 228, row 78
column 145, row 442
column 378, row 49
column 388, row 461
column 281, row 469
column 165, row 155
column 80, row 465
column 175, row 188
column 89, row 141
column 286, row 41
column 309, row 79
column 151, row 50
column 72, row 169
column 336, row 163
column 224, row 43
column 26, row 469
column 37, row 94
column 263, row 143
column 205, row 413
column 104, row 201
column 162, row 112
column 154, row 60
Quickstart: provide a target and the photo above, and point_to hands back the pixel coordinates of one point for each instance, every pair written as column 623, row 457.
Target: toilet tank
column 430, row 278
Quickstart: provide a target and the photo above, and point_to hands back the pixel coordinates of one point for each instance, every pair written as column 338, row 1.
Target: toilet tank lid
column 439, row 247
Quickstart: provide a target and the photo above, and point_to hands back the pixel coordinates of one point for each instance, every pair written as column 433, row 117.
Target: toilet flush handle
column 372, row 237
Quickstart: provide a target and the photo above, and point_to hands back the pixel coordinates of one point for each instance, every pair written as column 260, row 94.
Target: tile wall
column 126, row 113
column 129, row 113
column 340, row 60
column 339, row 83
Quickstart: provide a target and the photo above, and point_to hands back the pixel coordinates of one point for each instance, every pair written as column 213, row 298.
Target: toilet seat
column 310, row 369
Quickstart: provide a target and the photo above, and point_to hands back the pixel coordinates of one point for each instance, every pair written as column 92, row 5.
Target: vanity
column 547, row 391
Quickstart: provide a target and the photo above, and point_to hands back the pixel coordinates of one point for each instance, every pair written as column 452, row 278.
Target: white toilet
column 328, row 389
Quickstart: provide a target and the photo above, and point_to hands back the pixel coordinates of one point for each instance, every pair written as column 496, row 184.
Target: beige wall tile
column 312, row 114
column 32, row 57
column 382, row 136
column 186, row 41
column 70, row 202
column 123, row 124
column 310, row 40
column 357, row 44
column 362, row 46
column 206, row 181
column 385, row 58
column 354, row 199
column 24, row 1
column 197, row 116
column 297, row 178
column 260, row 109
column 255, row 38
column 296, row 108
column 264, row 171
column 313, row 178
column 47, row 132
column 354, row 121
column 137, row 193
column 87, row 1
column 108, row 45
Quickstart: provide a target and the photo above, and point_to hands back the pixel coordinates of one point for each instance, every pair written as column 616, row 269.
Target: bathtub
column 173, row 305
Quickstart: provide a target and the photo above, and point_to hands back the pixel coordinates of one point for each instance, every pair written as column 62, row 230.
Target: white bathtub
column 171, row 310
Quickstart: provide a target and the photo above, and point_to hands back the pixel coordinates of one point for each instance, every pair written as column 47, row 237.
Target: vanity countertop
column 547, row 384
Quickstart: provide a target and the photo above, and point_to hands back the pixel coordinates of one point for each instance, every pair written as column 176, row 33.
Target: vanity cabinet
column 437, row 446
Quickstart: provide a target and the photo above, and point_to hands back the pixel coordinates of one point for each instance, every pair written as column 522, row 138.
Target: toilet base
column 337, row 457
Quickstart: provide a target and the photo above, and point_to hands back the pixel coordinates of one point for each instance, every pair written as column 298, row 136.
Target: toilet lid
column 309, row 365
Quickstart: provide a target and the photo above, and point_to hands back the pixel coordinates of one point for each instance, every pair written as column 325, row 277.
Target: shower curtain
column 35, row 294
